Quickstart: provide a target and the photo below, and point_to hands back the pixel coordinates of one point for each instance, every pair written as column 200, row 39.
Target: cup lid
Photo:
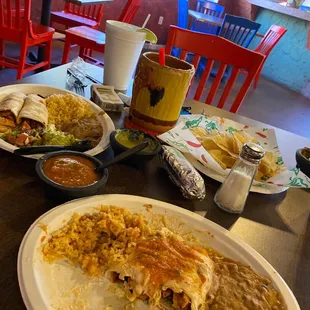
column 124, row 31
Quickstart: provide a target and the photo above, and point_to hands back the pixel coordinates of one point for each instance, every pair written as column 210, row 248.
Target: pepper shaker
column 233, row 193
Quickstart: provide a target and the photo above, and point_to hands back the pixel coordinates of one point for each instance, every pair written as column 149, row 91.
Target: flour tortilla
column 34, row 109
column 12, row 103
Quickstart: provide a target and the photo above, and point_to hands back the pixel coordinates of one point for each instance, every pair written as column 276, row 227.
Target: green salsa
column 132, row 138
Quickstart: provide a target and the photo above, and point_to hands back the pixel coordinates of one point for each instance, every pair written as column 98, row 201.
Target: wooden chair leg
column 2, row 51
column 22, row 60
column 82, row 52
column 66, row 52
column 256, row 78
column 48, row 54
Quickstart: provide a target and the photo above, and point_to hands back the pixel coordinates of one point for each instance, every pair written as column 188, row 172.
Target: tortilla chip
column 259, row 175
column 237, row 145
column 264, row 169
column 243, row 137
column 209, row 144
column 224, row 141
column 229, row 161
column 218, row 157
column 270, row 160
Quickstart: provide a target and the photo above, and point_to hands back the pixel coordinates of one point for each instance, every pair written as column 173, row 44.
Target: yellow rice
column 97, row 241
column 62, row 108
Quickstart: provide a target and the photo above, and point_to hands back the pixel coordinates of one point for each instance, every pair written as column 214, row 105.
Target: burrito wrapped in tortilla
column 10, row 107
column 34, row 112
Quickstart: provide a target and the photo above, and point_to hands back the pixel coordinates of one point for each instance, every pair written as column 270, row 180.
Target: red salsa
column 71, row 170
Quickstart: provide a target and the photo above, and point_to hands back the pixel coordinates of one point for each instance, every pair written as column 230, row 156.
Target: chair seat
column 89, row 34
column 75, row 19
column 42, row 31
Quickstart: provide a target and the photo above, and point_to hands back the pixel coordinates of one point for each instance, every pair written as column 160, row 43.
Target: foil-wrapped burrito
column 182, row 173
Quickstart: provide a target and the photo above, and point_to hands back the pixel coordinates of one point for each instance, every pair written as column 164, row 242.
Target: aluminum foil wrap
column 182, row 173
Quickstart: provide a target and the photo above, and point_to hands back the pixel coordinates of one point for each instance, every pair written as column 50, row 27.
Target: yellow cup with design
column 159, row 92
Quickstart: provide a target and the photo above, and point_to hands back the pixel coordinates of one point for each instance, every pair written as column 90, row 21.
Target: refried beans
column 239, row 287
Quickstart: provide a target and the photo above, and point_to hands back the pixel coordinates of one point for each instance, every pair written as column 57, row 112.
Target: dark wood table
column 277, row 226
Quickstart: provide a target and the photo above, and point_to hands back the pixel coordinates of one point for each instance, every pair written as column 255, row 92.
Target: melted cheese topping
column 165, row 262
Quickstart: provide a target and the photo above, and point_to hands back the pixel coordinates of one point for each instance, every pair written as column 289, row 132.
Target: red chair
column 94, row 40
column 224, row 52
column 16, row 26
column 76, row 15
column 266, row 45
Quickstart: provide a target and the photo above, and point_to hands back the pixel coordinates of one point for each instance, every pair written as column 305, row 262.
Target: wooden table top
column 277, row 226
column 212, row 20
column 88, row 2
column 205, row 18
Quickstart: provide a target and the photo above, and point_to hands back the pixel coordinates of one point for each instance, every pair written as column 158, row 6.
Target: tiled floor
column 269, row 103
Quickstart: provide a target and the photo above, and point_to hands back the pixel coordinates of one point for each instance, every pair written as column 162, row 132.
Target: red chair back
column 271, row 38
column 129, row 11
column 94, row 11
column 224, row 52
column 14, row 15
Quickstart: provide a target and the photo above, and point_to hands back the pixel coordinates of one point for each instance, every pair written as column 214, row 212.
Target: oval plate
column 262, row 188
column 60, row 285
column 44, row 90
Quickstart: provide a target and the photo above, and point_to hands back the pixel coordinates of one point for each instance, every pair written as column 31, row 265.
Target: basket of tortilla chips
column 214, row 143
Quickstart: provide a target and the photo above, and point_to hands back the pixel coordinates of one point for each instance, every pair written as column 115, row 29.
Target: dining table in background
column 212, row 20
column 206, row 18
column 46, row 10
column 88, row 2
column 276, row 226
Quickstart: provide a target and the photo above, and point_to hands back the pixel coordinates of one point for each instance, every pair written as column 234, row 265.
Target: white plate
column 44, row 90
column 43, row 285
column 262, row 188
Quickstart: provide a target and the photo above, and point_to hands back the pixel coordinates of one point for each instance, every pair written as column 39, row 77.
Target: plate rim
column 104, row 142
column 254, row 189
column 285, row 291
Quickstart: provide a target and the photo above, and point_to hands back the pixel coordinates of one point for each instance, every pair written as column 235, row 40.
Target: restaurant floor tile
column 269, row 103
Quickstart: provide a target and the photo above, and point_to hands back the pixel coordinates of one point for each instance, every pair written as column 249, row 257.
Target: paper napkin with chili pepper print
column 182, row 138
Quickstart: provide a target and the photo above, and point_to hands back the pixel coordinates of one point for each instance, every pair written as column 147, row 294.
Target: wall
column 239, row 8
column 166, row 8
column 289, row 62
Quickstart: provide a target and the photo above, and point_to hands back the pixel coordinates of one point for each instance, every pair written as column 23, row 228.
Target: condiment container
column 159, row 92
column 57, row 190
column 233, row 193
column 134, row 134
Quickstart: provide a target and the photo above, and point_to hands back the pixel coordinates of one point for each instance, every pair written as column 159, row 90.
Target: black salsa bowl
column 56, row 189
column 140, row 157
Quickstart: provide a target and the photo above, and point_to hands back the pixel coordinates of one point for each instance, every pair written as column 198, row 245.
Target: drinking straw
column 146, row 20
column 162, row 56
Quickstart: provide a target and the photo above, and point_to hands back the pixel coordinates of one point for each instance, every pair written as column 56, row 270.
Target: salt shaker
column 234, row 191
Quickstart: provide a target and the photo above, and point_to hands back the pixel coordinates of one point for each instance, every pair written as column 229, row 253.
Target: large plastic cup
column 122, row 51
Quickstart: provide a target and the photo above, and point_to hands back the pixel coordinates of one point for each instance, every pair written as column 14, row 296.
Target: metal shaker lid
column 252, row 152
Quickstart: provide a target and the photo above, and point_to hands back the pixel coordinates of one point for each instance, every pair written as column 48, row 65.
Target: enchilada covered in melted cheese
column 164, row 265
